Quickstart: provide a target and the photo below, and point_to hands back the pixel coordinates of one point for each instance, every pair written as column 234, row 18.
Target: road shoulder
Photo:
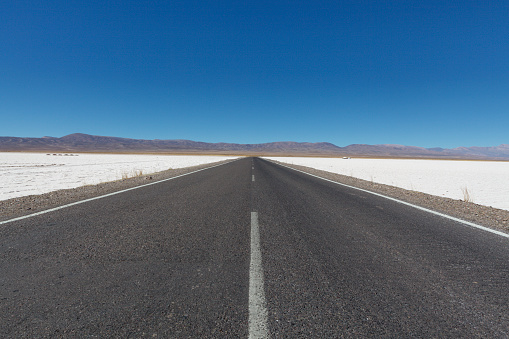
column 18, row 207
column 487, row 216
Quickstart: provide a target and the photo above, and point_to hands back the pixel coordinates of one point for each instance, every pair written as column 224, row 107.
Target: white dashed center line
column 258, row 327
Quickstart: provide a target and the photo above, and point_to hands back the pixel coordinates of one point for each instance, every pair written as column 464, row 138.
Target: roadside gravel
column 21, row 206
column 482, row 215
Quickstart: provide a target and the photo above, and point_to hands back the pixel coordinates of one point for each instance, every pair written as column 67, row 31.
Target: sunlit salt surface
column 487, row 182
column 23, row 174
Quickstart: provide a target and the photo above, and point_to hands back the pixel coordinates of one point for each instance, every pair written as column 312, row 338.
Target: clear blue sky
column 424, row 73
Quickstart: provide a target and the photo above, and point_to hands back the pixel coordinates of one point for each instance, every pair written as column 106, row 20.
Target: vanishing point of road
column 250, row 249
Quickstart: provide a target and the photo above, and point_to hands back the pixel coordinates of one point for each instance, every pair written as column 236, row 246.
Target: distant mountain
column 91, row 143
column 497, row 153
column 393, row 150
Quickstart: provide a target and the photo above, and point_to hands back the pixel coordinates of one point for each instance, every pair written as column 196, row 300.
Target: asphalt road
column 180, row 259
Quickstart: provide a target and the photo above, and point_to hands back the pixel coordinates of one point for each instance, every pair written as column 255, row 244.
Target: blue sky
column 424, row 73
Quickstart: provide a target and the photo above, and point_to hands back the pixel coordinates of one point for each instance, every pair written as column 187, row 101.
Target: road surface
column 250, row 248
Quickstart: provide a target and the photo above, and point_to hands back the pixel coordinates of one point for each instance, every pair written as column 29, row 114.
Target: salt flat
column 486, row 181
column 23, row 174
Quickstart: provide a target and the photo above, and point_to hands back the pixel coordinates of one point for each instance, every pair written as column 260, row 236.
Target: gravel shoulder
column 487, row 216
column 17, row 207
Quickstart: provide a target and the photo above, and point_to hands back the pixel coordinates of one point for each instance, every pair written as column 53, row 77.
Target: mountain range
column 79, row 142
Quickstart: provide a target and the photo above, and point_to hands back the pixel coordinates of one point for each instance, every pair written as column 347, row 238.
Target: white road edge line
column 106, row 195
column 258, row 327
column 468, row 223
